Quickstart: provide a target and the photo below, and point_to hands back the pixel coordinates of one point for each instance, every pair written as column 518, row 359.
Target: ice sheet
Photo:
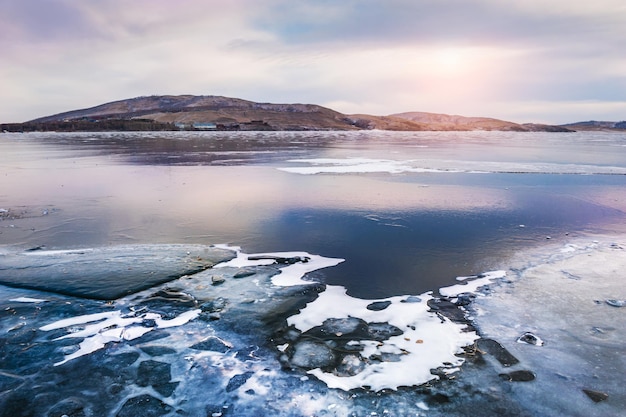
column 559, row 295
column 94, row 272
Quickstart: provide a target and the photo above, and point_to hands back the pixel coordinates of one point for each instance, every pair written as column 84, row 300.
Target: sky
column 544, row 61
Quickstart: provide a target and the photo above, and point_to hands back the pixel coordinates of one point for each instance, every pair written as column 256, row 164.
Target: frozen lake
column 403, row 233
column 384, row 217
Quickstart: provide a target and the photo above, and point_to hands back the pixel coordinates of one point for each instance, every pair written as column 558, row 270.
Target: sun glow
column 451, row 60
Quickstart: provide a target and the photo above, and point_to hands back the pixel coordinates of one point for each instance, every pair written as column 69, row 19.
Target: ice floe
column 366, row 165
column 354, row 165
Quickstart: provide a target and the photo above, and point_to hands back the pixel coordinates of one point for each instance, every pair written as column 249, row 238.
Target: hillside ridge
column 208, row 112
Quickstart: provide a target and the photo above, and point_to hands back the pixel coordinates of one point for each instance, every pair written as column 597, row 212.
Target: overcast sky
column 552, row 61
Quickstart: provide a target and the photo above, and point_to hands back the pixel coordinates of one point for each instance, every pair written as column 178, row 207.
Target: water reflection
column 400, row 234
column 184, row 148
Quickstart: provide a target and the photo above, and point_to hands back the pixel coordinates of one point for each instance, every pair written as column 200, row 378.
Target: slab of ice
column 95, row 272
column 403, row 343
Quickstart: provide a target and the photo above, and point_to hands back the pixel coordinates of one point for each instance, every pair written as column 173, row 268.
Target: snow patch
column 291, row 274
column 428, row 341
column 112, row 326
column 473, row 285
column 27, row 300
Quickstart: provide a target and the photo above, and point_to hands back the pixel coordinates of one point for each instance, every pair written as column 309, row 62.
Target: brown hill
column 226, row 111
column 445, row 122
column 216, row 112
column 366, row 121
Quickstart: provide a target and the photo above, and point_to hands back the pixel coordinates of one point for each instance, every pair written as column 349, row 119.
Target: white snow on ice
column 290, row 275
column 428, row 341
column 27, row 300
column 111, row 326
column 115, row 326
column 353, row 165
column 366, row 165
column 473, row 285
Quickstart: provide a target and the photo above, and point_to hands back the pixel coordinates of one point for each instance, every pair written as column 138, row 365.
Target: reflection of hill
column 223, row 113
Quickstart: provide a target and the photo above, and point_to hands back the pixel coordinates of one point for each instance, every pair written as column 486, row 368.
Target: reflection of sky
column 402, row 233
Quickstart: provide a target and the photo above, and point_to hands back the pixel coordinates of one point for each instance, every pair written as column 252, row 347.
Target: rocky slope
column 216, row 112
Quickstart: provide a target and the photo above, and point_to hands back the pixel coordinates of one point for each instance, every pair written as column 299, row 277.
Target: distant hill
column 224, row 113
column 227, row 112
column 448, row 122
column 596, row 125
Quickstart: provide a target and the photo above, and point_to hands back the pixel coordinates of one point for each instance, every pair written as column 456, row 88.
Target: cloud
column 442, row 21
column 454, row 56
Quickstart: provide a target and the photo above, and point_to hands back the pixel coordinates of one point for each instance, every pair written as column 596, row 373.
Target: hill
column 223, row 113
column 447, row 122
column 228, row 112
column 596, row 125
